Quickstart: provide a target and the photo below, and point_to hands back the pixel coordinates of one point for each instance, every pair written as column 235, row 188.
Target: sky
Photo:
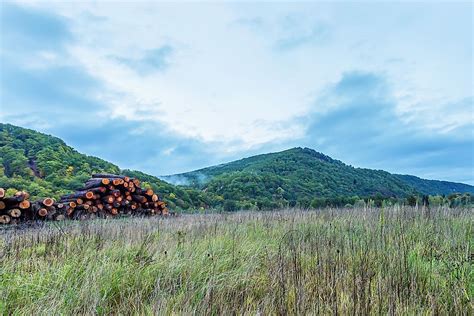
column 167, row 88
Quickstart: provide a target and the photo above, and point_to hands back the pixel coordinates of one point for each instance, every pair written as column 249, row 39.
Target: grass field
column 396, row 260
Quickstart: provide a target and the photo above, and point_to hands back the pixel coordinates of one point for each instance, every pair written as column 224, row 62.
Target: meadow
column 360, row 261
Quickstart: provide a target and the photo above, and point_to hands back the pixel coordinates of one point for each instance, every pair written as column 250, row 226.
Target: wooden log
column 70, row 211
column 114, row 211
column 108, row 199
column 60, row 217
column 24, row 204
column 51, row 212
column 2, row 193
column 139, row 198
column 14, row 212
column 48, row 202
column 95, row 183
column 2, row 205
column 107, row 175
column 79, row 201
column 136, row 182
column 42, row 212
column 117, row 181
column 154, row 198
column 23, row 194
column 116, row 193
column 5, row 219
column 148, row 192
column 12, row 200
column 80, row 194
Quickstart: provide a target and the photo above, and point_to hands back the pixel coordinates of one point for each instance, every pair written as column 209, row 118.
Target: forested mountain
column 45, row 166
column 299, row 175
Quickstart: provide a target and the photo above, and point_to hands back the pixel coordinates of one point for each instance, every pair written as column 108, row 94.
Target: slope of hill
column 45, row 166
column 433, row 187
column 299, row 174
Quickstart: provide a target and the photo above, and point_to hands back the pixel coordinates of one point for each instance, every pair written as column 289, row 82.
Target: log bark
column 94, row 183
column 106, row 175
column 139, row 198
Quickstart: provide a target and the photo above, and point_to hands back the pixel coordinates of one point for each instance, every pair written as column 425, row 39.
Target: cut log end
column 42, row 212
column 24, row 204
column 5, row 219
column 89, row 195
column 2, row 192
column 48, row 202
column 14, row 212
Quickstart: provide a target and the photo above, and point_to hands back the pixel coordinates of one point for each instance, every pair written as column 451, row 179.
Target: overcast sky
column 168, row 88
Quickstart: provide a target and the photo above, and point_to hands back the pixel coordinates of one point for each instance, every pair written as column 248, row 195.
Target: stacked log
column 14, row 208
column 108, row 195
column 104, row 195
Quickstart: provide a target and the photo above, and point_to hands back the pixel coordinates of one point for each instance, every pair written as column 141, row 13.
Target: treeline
column 452, row 200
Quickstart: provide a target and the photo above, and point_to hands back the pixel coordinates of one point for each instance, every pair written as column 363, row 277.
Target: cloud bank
column 168, row 88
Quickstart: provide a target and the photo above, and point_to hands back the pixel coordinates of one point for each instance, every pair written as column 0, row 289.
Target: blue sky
column 167, row 88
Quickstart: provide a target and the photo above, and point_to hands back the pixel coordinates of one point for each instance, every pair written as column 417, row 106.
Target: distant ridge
column 304, row 171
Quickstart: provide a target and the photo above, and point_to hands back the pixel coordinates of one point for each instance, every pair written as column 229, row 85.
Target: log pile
column 104, row 195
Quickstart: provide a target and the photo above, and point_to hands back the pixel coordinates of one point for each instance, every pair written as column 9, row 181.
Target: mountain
column 435, row 187
column 300, row 174
column 45, row 166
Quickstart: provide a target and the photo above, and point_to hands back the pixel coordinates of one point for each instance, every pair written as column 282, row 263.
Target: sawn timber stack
column 104, row 195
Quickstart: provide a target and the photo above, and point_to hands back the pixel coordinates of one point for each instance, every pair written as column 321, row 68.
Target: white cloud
column 227, row 83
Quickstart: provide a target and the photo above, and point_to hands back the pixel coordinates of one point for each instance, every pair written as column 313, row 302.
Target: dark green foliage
column 305, row 178
column 43, row 165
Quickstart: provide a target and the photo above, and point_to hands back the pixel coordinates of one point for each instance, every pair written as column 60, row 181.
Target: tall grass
column 395, row 260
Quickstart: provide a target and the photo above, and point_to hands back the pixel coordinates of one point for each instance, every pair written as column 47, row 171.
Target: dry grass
column 396, row 260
